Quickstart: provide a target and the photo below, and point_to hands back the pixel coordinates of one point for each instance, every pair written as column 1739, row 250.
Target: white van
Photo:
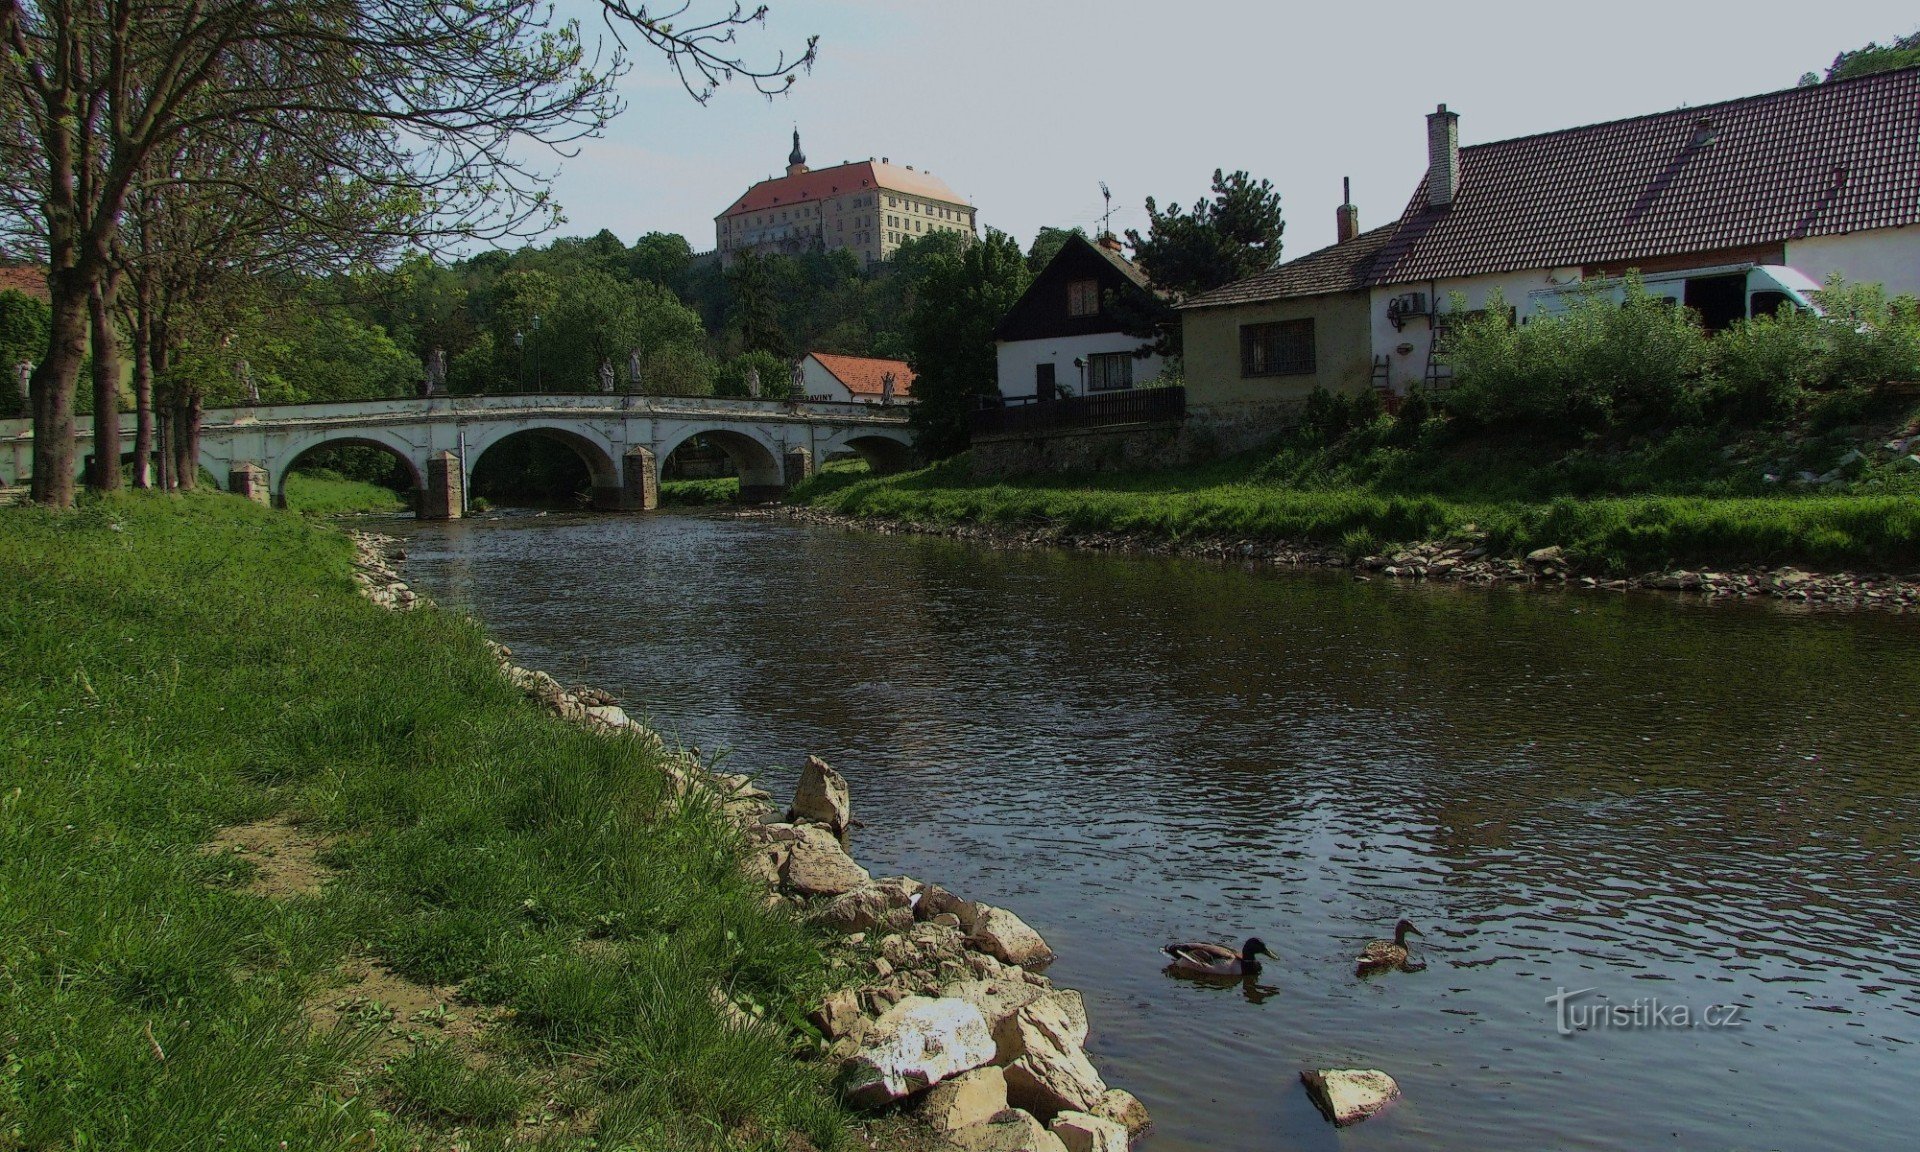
column 1720, row 295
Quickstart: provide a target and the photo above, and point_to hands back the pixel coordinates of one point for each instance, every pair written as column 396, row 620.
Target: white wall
column 1889, row 256
column 1409, row 368
column 821, row 382
column 1018, row 358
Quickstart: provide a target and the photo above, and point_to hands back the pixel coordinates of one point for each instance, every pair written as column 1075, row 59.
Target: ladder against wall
column 1439, row 372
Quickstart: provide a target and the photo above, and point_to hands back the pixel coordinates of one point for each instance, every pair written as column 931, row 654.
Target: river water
column 1672, row 805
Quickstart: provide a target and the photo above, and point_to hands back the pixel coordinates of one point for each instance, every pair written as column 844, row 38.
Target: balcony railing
column 1134, row 406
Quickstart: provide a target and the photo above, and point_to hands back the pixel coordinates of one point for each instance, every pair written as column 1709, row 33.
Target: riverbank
column 281, row 866
column 1687, row 516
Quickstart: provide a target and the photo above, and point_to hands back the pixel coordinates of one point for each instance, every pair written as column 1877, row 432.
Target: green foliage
column 1903, row 52
column 660, row 258
column 1228, row 238
column 179, row 665
column 325, row 493
column 958, row 298
column 597, row 319
column 718, row 490
column 24, row 321
column 1047, row 244
column 1595, row 364
column 776, row 375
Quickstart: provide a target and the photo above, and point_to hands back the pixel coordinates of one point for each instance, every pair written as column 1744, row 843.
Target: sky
column 1024, row 108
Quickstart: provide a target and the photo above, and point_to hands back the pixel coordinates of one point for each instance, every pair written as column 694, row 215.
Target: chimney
column 1347, row 220
column 1111, row 243
column 1443, row 157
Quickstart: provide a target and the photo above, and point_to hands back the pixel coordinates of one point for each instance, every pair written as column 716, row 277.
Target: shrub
column 1596, row 364
column 1763, row 368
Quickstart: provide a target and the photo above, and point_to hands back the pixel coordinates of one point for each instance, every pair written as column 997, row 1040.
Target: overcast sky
column 1023, row 108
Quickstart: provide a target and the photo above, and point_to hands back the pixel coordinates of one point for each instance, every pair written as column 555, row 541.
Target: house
column 1064, row 335
column 869, row 207
column 1824, row 179
column 855, row 378
column 24, row 278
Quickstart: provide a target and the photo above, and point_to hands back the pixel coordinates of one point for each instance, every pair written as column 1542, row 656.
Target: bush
column 1770, row 367
column 1597, row 364
column 1765, row 367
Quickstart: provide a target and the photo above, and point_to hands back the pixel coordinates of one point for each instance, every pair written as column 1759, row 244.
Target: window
column 1083, row 298
column 1284, row 348
column 1109, row 371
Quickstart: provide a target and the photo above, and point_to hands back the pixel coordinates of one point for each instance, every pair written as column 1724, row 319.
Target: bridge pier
column 798, row 466
column 639, row 489
column 445, row 494
column 250, row 480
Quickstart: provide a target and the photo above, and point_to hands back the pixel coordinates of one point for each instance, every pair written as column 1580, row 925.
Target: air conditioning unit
column 1405, row 305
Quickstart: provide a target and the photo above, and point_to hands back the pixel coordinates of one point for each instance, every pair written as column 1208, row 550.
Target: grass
column 720, row 490
column 1694, row 497
column 323, row 493
column 179, row 665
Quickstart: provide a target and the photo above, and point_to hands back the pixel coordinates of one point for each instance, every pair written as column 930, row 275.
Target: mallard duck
column 1218, row 959
column 1380, row 955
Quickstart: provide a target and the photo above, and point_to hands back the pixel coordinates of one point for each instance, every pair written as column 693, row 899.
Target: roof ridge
column 1757, row 97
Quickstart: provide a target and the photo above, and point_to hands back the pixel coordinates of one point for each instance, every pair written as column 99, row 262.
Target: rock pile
column 1463, row 561
column 946, row 1012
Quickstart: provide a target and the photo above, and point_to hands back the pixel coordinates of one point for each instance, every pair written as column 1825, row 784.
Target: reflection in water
column 1637, row 795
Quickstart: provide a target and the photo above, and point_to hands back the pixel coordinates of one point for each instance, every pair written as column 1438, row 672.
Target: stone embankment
column 1455, row 561
column 946, row 1014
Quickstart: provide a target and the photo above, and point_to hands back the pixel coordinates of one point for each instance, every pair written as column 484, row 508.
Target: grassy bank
column 328, row 494
column 281, row 869
column 721, row 490
column 1691, row 497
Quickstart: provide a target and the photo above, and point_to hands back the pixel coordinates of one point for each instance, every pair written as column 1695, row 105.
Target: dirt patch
column 402, row 1012
column 286, row 858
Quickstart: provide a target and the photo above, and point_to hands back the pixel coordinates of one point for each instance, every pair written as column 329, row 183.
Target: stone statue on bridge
column 23, row 373
column 753, row 383
column 436, row 372
column 606, row 374
column 633, row 371
column 886, row 388
column 249, row 387
column 797, row 381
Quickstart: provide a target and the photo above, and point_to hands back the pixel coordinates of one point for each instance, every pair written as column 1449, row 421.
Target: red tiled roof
column 865, row 376
column 23, row 278
column 1341, row 268
column 842, row 178
column 1826, row 159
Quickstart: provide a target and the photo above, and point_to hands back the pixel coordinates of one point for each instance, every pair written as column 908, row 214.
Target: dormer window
column 1083, row 298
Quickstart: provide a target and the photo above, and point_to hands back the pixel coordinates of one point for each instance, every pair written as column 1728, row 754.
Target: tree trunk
column 186, row 442
column 105, row 474
column 142, row 395
column 53, row 387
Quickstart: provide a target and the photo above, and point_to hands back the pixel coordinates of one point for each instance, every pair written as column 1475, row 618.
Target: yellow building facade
column 869, row 207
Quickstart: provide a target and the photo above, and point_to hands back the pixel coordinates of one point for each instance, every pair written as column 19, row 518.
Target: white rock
column 822, row 797
column 1124, row 1108
column 918, row 1043
column 998, row 1001
column 1049, row 1073
column 1084, row 1132
column 1350, row 1095
column 816, row 865
column 1006, row 937
column 1013, row 1131
column 970, row 1098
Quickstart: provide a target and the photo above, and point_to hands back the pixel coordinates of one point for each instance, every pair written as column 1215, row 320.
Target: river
column 1670, row 804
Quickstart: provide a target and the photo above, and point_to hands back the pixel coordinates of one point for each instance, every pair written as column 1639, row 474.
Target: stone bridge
column 622, row 439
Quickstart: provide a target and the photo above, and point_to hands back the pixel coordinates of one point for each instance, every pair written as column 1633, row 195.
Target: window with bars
column 1283, row 348
column 1109, row 371
column 1083, row 298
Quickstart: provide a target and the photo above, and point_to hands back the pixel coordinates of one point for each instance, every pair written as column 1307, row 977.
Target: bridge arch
column 277, row 471
column 884, row 449
column 756, row 457
column 593, row 449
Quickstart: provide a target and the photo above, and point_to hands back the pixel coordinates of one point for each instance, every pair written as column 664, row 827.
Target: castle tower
column 796, row 159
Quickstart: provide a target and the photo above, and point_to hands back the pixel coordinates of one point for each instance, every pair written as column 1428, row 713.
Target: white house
column 1823, row 179
column 1062, row 336
column 828, row 376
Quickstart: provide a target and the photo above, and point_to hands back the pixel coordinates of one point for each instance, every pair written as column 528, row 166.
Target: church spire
column 796, row 159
